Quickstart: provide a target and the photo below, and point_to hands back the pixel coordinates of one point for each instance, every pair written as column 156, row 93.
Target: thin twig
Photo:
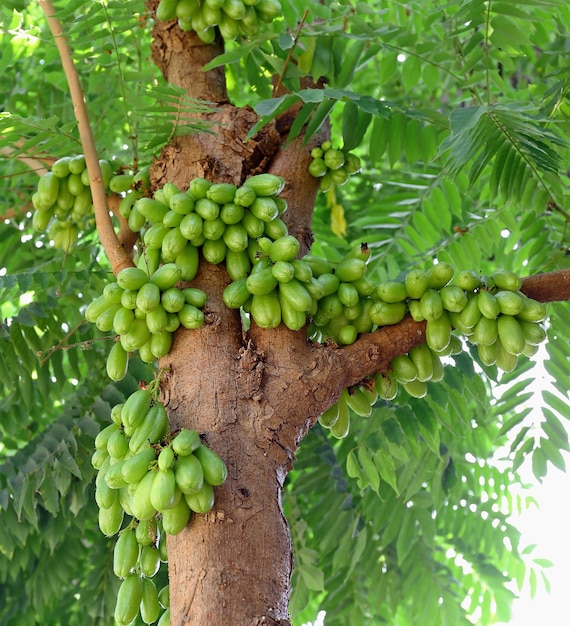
column 116, row 254
column 290, row 54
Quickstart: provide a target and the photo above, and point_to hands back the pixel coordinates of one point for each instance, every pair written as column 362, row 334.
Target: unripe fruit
column 129, row 598
column 125, row 554
column 215, row 470
column 185, row 442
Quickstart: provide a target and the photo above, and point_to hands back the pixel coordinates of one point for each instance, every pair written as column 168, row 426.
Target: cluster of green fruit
column 158, row 479
column 490, row 312
column 234, row 18
column 63, row 202
column 144, row 310
column 332, row 165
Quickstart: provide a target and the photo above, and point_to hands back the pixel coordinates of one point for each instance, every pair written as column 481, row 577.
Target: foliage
column 460, row 116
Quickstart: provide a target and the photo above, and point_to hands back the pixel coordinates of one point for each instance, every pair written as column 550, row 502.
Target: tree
column 459, row 115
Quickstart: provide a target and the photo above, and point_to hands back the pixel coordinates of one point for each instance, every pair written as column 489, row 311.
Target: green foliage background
column 461, row 116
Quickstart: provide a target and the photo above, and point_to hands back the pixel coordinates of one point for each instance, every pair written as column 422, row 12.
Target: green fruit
column 253, row 225
column 533, row 333
column 438, row 332
column 221, row 193
column 431, row 304
column 121, row 183
column 416, row 388
column 330, row 416
column 125, row 554
column 164, row 619
column 296, row 294
column 236, row 294
column 358, row 402
column 387, row 314
column 511, row 334
column 105, row 321
column 421, row 357
column 148, row 297
column 150, row 430
column 245, row 196
column 439, row 275
column 291, row 317
column 188, row 261
column 149, row 607
column 77, row 164
column 202, row 501
column 285, row 248
column 172, row 300
column 164, row 597
column 166, row 276
column 129, row 598
column 191, row 317
column 118, row 445
column 214, row 251
column 166, row 458
column 141, row 505
column 189, row 474
column 488, row 354
column 265, row 184
column 153, row 210
column 105, row 496
column 236, row 238
column 341, row 427
column 96, row 307
column 350, row 269
column 416, row 310
column 113, row 476
column 160, row 343
column 468, row 280
column 283, row 271
column 185, row 442
column 113, row 292
column 507, row 281
column 60, row 168
column 175, row 520
column 48, row 189
column 149, row 561
column 111, row 519
column 416, row 282
column 261, row 282
column 318, row 266
column 266, row 310
column 214, row 229
column 146, row 532
column 506, row 361
column 232, row 213
column 317, row 167
column 136, row 337
column 348, row 294
column 181, row 203
column 488, row 304
column 386, row 385
column 207, row 209
column 238, row 264
column 103, row 436
column 471, row 313
column 215, row 470
column 117, row 362
column 510, row 302
column 98, row 458
column 265, row 209
column 391, row 292
column 132, row 278
column 136, row 407
column 333, row 159
column 532, row 311
column 453, row 298
column 135, row 467
column 403, row 368
column 485, row 332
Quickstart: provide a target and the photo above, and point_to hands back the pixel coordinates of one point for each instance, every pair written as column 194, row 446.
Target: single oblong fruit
column 129, row 598
column 149, row 606
column 438, row 332
column 488, row 304
column 511, row 334
column 117, row 362
column 201, row 501
column 163, row 490
column 508, row 281
column 215, row 470
column 189, row 474
column 185, row 442
column 125, row 553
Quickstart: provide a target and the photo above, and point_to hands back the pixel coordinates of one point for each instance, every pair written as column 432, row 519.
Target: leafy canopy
column 460, row 114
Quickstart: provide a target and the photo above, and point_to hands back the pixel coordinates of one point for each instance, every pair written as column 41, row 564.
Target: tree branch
column 118, row 256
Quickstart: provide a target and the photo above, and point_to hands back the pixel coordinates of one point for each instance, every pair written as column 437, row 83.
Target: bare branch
column 118, row 256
